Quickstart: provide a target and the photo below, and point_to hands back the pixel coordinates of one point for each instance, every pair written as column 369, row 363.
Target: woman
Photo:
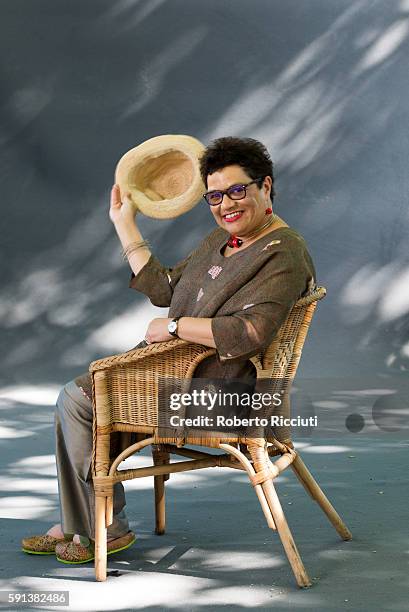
column 232, row 293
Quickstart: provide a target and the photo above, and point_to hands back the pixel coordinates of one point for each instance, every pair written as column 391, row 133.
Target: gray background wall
column 322, row 83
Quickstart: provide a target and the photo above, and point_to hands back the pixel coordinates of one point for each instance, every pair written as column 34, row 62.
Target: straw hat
column 162, row 175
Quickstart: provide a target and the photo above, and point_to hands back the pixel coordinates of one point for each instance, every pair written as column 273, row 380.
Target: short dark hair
column 248, row 153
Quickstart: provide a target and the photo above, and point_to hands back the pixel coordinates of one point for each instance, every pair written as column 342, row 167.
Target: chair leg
column 241, row 457
column 160, row 458
column 261, row 463
column 286, row 537
column 125, row 441
column 312, row 487
column 160, row 513
column 100, row 539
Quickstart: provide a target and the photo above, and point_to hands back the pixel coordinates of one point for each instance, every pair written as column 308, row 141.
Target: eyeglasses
column 235, row 192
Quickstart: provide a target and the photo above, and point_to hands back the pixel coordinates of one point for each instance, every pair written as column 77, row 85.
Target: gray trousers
column 73, row 449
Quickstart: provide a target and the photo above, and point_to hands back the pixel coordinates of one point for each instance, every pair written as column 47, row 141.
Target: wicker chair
column 126, row 400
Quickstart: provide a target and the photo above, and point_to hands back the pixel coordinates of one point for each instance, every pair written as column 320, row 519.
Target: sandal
column 72, row 553
column 43, row 544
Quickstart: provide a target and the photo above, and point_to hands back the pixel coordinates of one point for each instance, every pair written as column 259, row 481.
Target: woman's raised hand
column 121, row 208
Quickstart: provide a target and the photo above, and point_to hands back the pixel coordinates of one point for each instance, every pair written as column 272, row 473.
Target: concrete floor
column 218, row 553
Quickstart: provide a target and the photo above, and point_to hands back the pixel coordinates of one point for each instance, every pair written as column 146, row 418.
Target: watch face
column 172, row 326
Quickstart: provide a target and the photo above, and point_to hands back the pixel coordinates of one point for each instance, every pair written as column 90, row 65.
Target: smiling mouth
column 229, row 217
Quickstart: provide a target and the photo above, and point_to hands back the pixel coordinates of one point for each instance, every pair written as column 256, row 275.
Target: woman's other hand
column 158, row 331
column 121, row 208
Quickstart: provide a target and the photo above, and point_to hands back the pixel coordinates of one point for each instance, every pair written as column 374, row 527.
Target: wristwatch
column 173, row 327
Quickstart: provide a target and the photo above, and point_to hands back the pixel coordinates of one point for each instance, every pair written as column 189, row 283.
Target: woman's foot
column 45, row 544
column 56, row 532
column 76, row 552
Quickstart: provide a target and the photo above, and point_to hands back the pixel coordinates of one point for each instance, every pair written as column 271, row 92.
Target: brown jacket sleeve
column 252, row 317
column 158, row 282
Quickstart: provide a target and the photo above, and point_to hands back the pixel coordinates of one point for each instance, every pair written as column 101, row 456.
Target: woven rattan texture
column 131, row 389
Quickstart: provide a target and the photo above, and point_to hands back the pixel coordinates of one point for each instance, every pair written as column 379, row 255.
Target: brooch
column 271, row 244
column 215, row 271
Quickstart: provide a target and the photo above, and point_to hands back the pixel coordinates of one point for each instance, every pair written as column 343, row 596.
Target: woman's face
column 239, row 217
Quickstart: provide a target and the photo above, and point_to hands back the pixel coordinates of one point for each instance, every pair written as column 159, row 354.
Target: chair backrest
column 281, row 358
column 277, row 366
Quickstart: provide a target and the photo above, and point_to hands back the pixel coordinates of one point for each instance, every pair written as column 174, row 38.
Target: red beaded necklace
column 236, row 242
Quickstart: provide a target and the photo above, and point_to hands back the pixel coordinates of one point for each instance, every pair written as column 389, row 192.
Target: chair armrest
column 126, row 386
column 316, row 294
column 135, row 355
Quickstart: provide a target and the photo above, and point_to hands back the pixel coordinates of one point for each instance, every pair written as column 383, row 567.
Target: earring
column 269, row 210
